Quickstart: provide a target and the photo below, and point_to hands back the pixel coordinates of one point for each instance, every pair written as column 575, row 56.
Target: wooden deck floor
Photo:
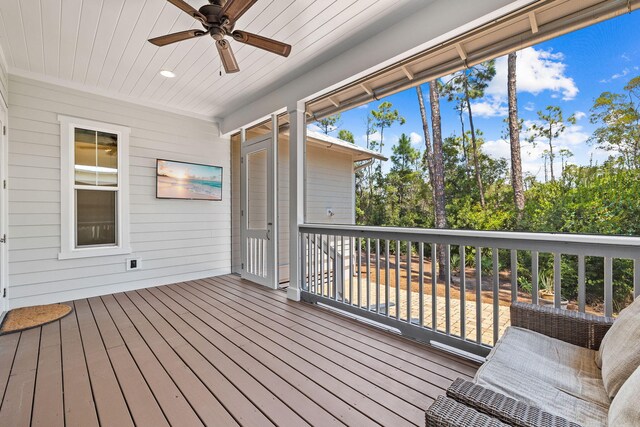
column 220, row 352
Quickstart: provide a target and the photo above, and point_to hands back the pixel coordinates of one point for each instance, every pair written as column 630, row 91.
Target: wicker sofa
column 552, row 367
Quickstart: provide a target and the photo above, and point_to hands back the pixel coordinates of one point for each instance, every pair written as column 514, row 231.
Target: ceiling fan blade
column 234, row 9
column 190, row 10
column 262, row 43
column 227, row 57
column 177, row 37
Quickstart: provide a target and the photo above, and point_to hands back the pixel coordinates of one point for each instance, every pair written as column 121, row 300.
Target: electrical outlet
column 133, row 264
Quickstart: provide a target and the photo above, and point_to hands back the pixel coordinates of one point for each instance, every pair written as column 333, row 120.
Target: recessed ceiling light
column 167, row 74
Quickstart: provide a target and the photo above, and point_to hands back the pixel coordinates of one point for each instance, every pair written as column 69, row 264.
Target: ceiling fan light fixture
column 167, row 73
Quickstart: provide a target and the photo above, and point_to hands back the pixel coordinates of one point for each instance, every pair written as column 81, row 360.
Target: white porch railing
column 374, row 276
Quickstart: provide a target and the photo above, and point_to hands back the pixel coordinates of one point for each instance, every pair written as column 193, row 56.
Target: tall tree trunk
column 514, row 137
column 474, row 147
column 428, row 155
column 551, row 157
column 438, row 171
column 465, row 151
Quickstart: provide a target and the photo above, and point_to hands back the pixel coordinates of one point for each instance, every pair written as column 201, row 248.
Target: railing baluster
column 608, row 286
column 534, row 277
column 636, row 278
column 496, row 293
column 463, row 293
column 342, row 269
column 582, row 289
column 398, row 279
column 387, row 276
column 303, row 262
column 447, row 289
column 322, row 264
column 479, row 295
column 377, row 275
column 434, row 287
column 421, row 283
column 335, row 267
column 557, row 279
column 358, row 282
column 368, row 274
column 316, row 264
column 409, row 279
column 514, row 275
column 351, row 269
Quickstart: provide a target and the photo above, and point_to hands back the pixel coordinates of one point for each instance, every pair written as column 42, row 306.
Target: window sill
column 93, row 252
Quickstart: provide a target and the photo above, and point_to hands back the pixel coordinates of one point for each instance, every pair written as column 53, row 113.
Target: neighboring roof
column 359, row 153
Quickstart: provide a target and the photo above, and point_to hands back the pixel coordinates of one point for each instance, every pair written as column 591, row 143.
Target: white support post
column 297, row 137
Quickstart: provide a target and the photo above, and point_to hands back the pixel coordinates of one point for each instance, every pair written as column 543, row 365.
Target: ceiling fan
column 218, row 19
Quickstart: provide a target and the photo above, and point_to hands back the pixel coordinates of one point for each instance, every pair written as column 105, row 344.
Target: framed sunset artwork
column 190, row 181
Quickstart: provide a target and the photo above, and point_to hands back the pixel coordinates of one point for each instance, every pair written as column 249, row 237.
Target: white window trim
column 67, row 180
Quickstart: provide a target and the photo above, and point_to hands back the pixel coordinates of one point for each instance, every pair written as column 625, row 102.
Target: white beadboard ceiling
column 101, row 46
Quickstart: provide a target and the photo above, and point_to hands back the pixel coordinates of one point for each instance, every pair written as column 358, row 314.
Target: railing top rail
column 598, row 245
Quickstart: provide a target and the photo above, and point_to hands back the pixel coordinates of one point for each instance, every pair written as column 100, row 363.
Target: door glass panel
column 95, row 218
column 257, row 190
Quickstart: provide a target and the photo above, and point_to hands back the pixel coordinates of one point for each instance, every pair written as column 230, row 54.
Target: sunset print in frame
column 190, row 181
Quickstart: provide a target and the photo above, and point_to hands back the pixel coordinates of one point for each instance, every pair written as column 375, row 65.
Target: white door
column 259, row 228
column 3, row 209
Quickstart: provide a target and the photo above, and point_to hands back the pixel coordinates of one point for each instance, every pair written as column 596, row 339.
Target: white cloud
column 492, row 106
column 620, row 74
column 532, row 160
column 538, row 71
column 363, row 107
column 572, row 136
column 579, row 115
column 314, row 127
column 416, row 138
column 530, row 106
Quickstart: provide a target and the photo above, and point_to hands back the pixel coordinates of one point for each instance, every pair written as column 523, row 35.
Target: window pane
column 107, row 158
column 96, row 158
column 96, row 217
column 85, row 157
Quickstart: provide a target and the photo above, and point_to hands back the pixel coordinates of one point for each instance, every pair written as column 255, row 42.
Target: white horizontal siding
column 176, row 240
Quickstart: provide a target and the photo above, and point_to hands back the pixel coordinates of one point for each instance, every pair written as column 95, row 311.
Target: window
column 94, row 193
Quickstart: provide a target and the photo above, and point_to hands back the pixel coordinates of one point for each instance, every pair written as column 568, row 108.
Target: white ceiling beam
column 407, row 72
column 461, row 51
column 534, row 22
column 334, row 102
column 366, row 88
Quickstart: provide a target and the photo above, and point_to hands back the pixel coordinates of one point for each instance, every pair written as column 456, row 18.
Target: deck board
column 18, row 398
column 216, row 351
column 48, row 404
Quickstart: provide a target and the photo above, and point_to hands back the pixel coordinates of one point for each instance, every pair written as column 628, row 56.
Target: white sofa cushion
column 558, row 377
column 624, row 410
column 619, row 353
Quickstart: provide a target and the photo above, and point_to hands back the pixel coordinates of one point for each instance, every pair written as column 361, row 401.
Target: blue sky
column 569, row 71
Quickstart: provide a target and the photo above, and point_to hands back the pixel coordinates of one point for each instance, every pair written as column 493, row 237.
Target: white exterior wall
column 176, row 240
column 329, row 184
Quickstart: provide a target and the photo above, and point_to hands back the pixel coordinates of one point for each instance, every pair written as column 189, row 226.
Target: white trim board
column 68, row 248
